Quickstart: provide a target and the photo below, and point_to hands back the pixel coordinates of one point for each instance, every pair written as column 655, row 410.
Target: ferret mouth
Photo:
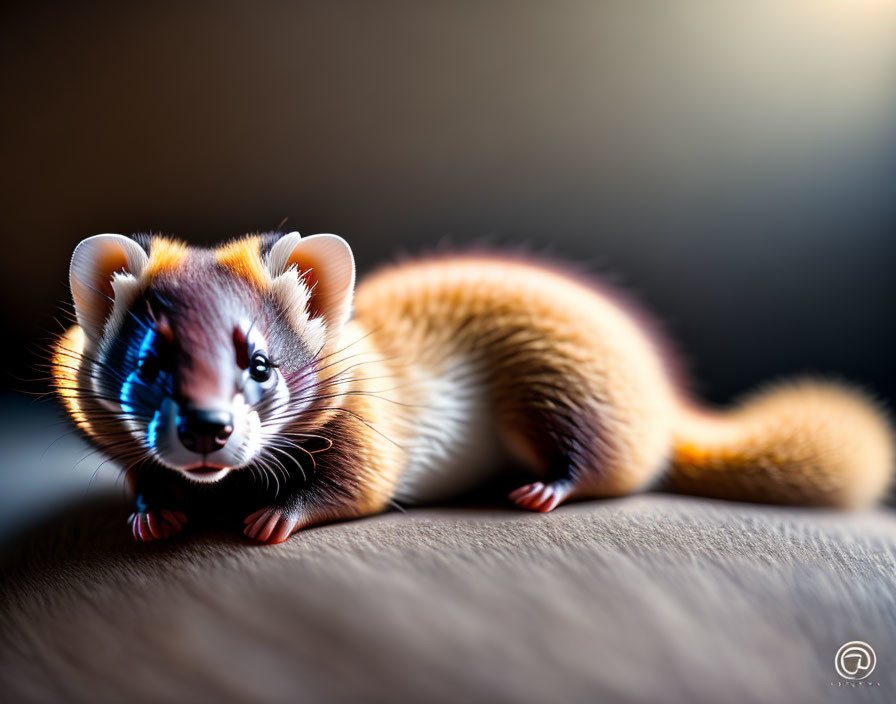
column 205, row 470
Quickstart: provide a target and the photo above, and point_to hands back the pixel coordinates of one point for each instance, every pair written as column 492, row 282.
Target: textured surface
column 648, row 598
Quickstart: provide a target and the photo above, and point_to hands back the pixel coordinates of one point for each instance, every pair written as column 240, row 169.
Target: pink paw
column 148, row 526
column 270, row 525
column 540, row 496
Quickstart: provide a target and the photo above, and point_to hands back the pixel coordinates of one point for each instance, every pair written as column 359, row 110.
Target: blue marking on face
column 125, row 395
column 127, row 388
column 152, row 430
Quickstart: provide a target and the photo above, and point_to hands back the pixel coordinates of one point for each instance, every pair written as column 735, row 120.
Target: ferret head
column 203, row 356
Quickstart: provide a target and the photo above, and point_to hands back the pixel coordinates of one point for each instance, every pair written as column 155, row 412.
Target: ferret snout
column 204, row 430
column 204, row 441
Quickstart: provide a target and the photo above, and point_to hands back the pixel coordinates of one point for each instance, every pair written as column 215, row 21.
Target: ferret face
column 205, row 356
column 204, row 382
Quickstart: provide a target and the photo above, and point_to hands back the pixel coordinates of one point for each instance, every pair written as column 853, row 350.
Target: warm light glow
column 66, row 362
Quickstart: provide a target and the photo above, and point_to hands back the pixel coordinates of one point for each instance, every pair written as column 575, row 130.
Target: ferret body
column 256, row 371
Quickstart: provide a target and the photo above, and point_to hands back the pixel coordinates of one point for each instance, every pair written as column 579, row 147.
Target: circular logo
column 855, row 660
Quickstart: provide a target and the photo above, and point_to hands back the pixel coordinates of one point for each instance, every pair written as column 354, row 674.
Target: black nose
column 204, row 431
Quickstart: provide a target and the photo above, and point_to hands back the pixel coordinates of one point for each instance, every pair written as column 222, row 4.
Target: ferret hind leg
column 581, row 455
column 541, row 496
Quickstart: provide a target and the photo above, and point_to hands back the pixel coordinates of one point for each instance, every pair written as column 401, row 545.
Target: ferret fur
column 440, row 372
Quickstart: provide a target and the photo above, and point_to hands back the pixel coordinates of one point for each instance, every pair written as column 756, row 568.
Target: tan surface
column 649, row 598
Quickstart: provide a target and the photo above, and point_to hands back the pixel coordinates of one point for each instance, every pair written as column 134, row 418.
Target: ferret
column 254, row 380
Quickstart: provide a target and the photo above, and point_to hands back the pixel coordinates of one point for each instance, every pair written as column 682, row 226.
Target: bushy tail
column 803, row 442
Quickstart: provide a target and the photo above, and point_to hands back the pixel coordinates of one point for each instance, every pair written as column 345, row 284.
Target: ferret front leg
column 274, row 524
column 150, row 525
column 292, row 508
column 343, row 483
column 156, row 516
column 303, row 508
column 300, row 503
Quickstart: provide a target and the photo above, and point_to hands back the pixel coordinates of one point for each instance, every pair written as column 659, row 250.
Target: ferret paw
column 271, row 525
column 148, row 526
column 540, row 496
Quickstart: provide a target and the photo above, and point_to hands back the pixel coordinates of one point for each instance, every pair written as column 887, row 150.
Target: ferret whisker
column 286, row 411
column 262, row 474
column 116, row 460
column 278, row 464
column 292, row 380
column 361, row 419
column 82, row 356
column 272, row 474
column 77, row 431
column 371, row 394
column 396, row 505
column 274, row 448
column 287, row 435
column 350, row 344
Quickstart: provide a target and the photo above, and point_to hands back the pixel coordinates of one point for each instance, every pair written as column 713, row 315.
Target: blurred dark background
column 733, row 163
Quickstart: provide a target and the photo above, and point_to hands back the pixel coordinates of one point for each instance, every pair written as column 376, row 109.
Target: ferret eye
column 148, row 369
column 260, row 367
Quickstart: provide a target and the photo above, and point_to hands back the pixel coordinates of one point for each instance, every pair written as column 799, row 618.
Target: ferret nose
column 204, row 431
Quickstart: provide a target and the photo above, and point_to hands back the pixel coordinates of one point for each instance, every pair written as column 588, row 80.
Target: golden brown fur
column 551, row 351
column 243, row 257
column 549, row 342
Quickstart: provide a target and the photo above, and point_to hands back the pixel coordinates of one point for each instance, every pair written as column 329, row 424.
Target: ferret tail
column 803, row 442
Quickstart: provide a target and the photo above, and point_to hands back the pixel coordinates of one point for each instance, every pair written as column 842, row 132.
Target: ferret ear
column 100, row 266
column 326, row 266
